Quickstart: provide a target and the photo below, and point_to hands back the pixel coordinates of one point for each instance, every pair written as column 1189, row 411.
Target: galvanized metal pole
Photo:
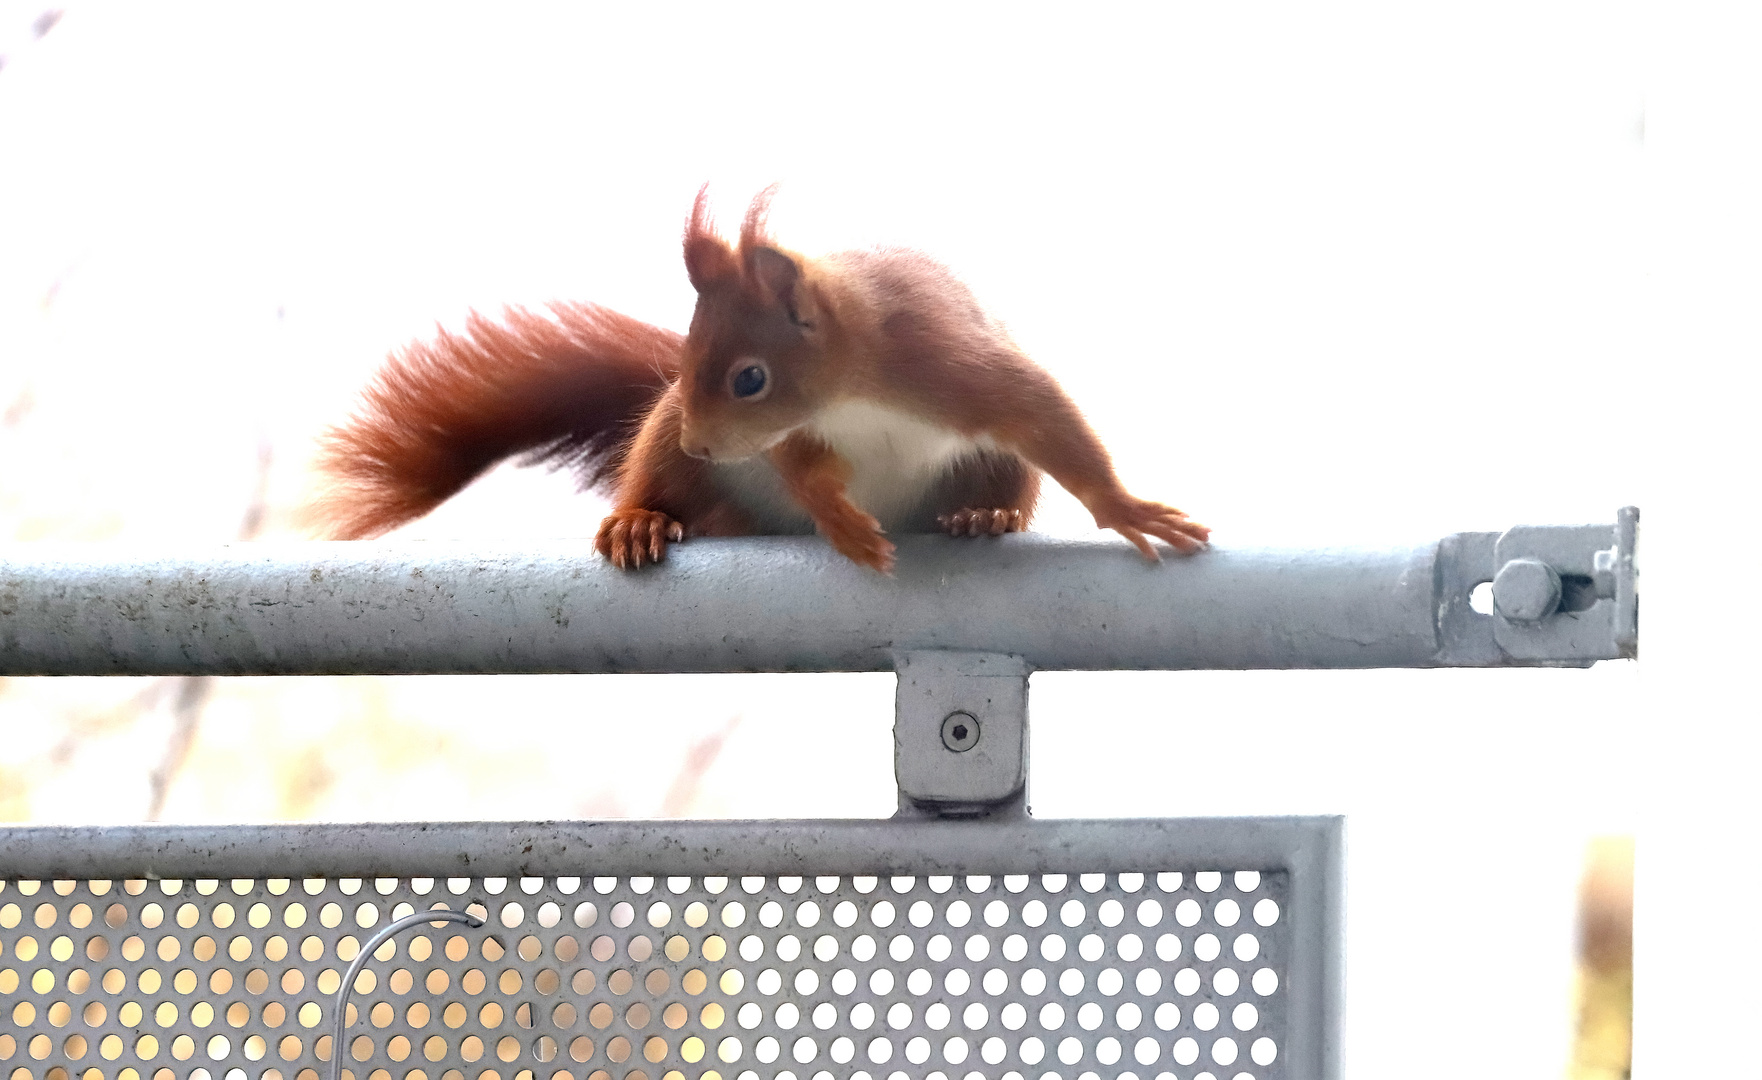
column 793, row 605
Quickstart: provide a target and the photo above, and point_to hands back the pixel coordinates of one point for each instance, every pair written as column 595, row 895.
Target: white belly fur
column 894, row 457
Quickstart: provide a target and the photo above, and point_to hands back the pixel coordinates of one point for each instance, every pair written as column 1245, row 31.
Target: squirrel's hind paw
column 628, row 538
column 979, row 522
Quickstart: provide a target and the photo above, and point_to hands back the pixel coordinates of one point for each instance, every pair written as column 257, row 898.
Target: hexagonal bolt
column 1526, row 590
column 960, row 731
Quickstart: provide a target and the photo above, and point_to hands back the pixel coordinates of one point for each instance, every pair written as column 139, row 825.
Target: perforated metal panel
column 1100, row 975
column 1155, row 960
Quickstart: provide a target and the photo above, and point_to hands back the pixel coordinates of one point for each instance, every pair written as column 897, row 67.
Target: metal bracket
column 1562, row 595
column 1567, row 591
column 960, row 733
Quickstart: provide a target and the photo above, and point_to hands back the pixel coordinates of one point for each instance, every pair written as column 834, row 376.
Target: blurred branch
column 20, row 407
column 251, row 525
column 39, row 26
column 87, row 724
column 683, row 792
column 191, row 694
column 186, row 713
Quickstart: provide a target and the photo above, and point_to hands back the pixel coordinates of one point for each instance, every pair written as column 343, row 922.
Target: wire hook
column 433, row 915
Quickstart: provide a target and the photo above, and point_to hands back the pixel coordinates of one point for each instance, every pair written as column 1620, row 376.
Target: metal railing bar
column 767, row 604
column 660, row 848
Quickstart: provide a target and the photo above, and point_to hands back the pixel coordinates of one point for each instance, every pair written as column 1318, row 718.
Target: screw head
column 960, row 731
column 1526, row 590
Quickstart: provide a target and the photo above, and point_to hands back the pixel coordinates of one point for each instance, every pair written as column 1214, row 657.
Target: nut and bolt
column 1526, row 590
column 960, row 731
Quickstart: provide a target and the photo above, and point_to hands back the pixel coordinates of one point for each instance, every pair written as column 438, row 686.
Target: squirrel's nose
column 692, row 441
column 694, row 445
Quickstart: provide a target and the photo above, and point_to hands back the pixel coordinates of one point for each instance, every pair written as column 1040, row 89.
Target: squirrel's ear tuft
column 708, row 258
column 777, row 278
column 753, row 228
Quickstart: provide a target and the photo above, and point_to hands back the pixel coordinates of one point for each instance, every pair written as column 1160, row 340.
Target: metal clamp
column 1562, row 596
column 1567, row 591
column 960, row 733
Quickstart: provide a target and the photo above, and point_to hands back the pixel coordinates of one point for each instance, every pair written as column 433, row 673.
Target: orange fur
column 816, row 478
column 888, row 401
column 888, row 328
column 562, row 390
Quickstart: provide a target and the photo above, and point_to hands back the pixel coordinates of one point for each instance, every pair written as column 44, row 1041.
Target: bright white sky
column 1326, row 273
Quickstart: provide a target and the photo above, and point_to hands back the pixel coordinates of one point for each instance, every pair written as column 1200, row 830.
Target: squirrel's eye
column 748, row 381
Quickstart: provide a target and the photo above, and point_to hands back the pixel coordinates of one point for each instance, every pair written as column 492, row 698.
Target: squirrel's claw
column 1133, row 518
column 982, row 522
column 628, row 538
column 858, row 537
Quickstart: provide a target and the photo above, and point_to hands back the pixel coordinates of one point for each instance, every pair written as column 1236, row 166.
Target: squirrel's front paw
column 973, row 522
column 630, row 537
column 1132, row 518
column 858, row 537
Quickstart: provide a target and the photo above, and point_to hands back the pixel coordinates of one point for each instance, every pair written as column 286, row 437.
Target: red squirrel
column 857, row 394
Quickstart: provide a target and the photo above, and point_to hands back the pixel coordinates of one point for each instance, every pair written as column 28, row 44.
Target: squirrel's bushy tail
column 568, row 390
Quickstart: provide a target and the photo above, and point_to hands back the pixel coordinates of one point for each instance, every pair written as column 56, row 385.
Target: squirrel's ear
column 778, row 280
column 708, row 258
